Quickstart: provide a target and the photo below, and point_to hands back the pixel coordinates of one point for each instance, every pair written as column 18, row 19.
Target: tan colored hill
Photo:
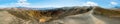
column 107, row 15
column 46, row 15
column 64, row 15
column 107, row 12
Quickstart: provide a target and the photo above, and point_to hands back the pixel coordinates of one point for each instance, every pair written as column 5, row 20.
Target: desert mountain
column 63, row 15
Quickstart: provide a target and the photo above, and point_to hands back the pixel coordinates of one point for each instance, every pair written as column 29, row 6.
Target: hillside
column 63, row 15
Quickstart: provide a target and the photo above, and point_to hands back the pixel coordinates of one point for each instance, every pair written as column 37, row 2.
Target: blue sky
column 59, row 3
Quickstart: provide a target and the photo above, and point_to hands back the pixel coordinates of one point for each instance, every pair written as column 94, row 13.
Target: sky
column 58, row 3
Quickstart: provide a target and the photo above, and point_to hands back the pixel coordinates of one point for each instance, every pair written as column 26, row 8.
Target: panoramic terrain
column 63, row 15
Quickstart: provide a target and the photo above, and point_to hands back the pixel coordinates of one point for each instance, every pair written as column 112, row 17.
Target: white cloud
column 114, row 3
column 22, row 0
column 23, row 3
column 90, row 4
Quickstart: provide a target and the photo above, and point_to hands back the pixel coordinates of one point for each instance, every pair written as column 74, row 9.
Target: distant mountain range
column 47, row 8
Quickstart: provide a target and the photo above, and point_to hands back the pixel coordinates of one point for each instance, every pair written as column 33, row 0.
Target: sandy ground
column 5, row 18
